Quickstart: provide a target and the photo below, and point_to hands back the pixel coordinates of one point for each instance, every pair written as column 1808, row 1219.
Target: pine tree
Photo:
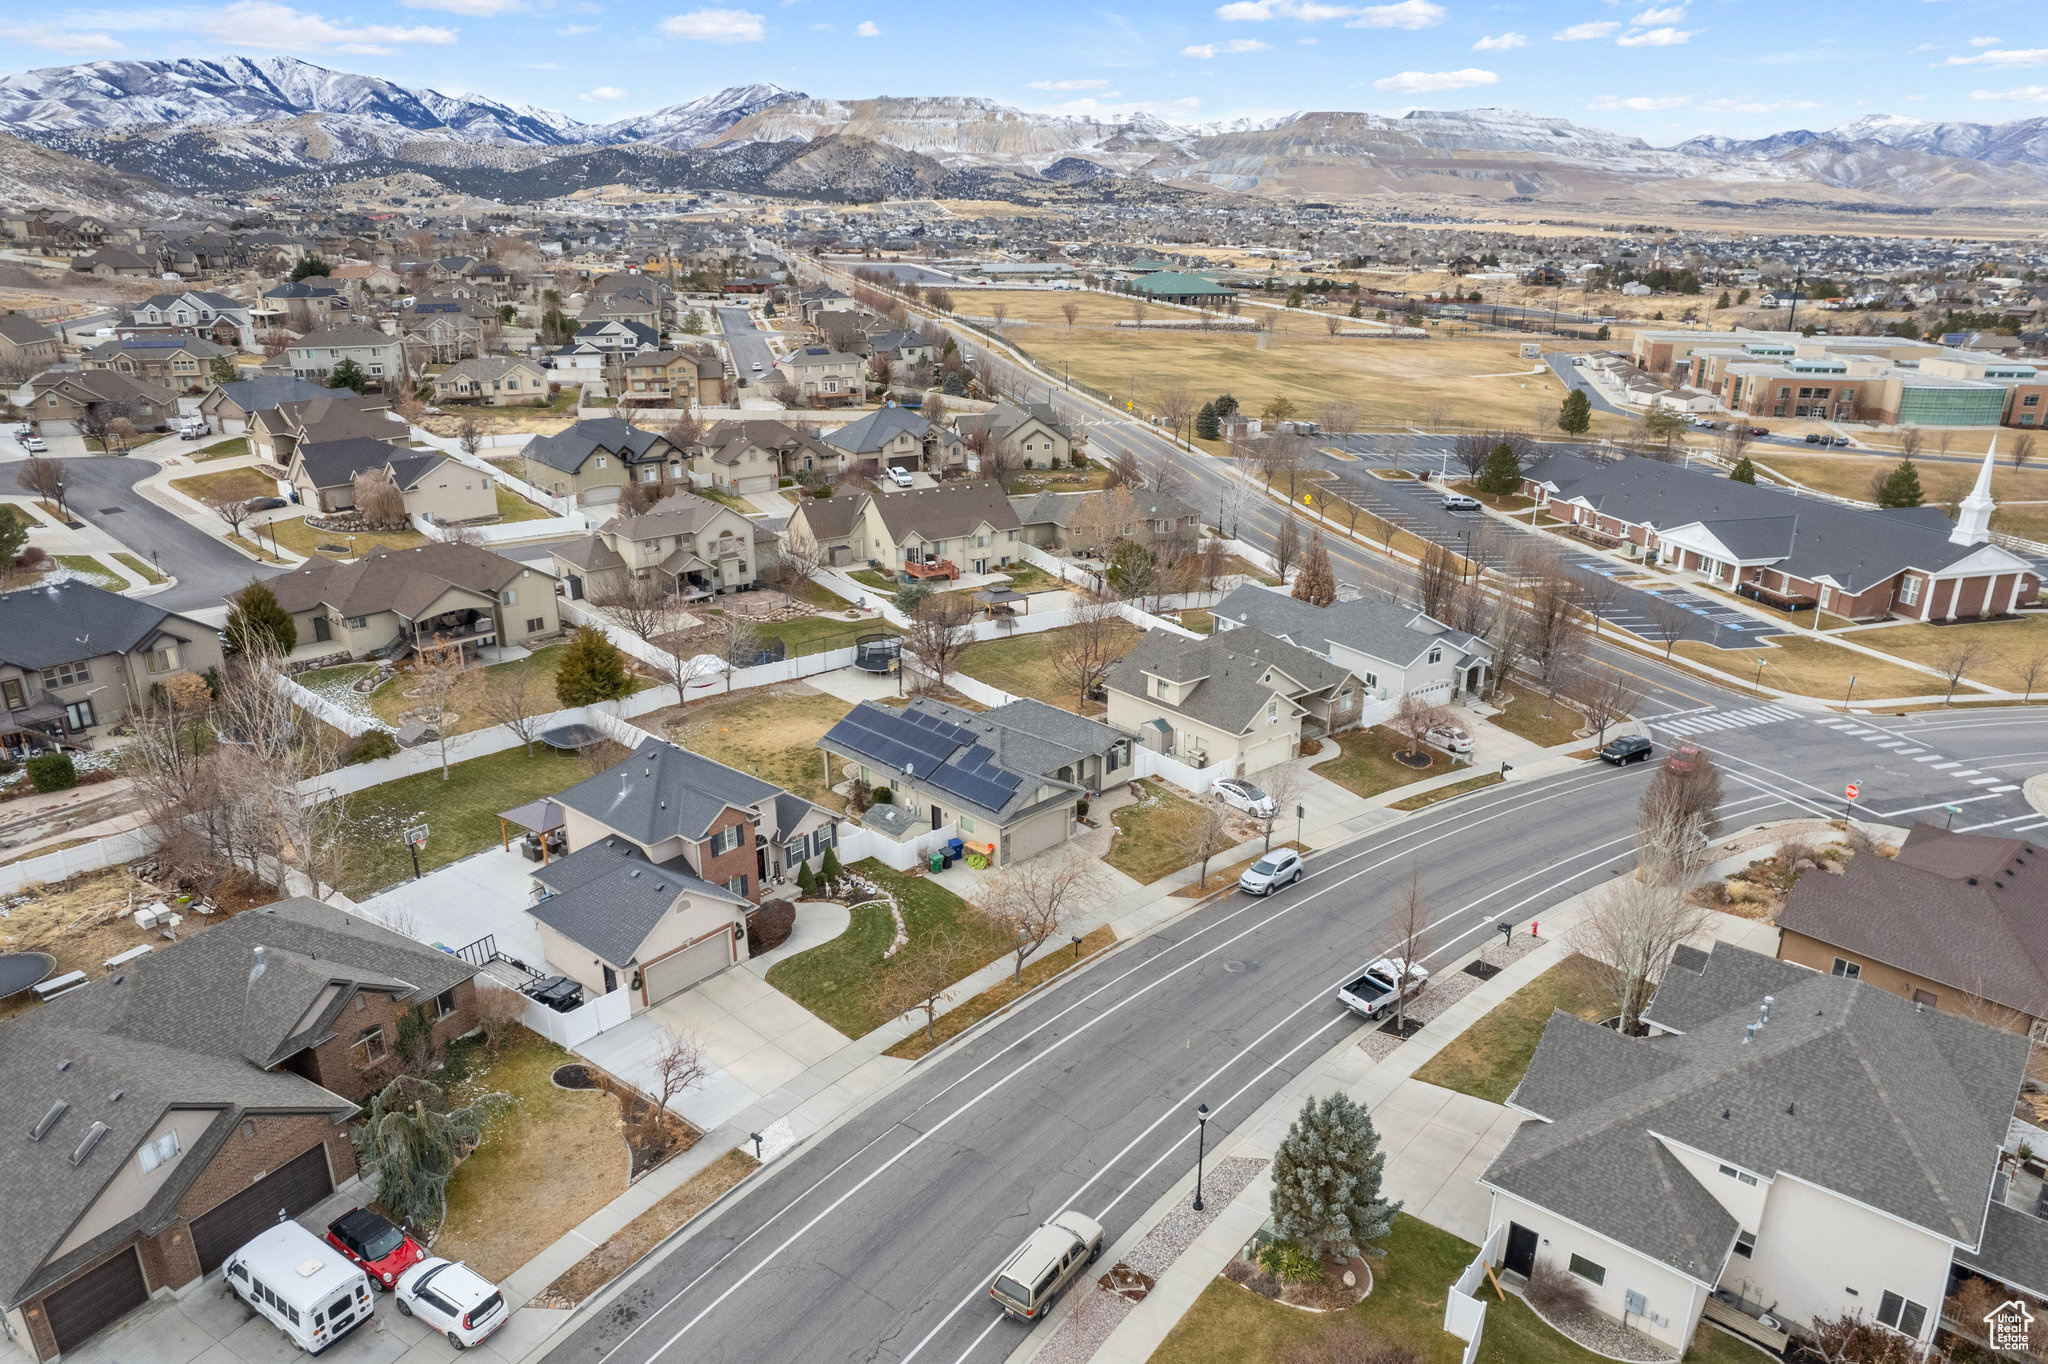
column 348, row 374
column 1316, row 584
column 829, row 870
column 1207, row 425
column 1723, row 300
column 256, row 621
column 1225, row 405
column 1503, row 472
column 13, row 539
column 806, row 880
column 412, row 1141
column 1575, row 417
column 1326, row 1179
column 1357, row 310
column 1901, row 487
column 592, row 670
column 221, row 369
column 1744, row 471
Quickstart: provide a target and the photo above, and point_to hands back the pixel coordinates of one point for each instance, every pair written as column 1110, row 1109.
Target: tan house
column 754, row 456
column 180, row 363
column 827, row 522
column 970, row 526
column 60, row 395
column 492, row 381
column 1952, row 923
column 435, row 487
column 897, row 438
column 1236, row 701
column 379, row 279
column 26, row 346
column 75, row 659
column 1032, row 430
column 592, row 460
column 823, row 376
column 397, row 600
column 667, row 378
column 1162, row 523
column 669, row 855
column 337, row 414
column 698, row 548
column 317, row 355
column 444, row 330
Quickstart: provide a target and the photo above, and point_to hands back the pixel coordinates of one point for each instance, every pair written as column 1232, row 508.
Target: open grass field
column 772, row 732
column 1022, row 666
column 1807, row 666
column 1488, row 1058
column 1848, row 475
column 234, row 485
column 295, row 535
column 2004, row 648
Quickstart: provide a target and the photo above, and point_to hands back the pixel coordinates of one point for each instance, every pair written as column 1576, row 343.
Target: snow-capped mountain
column 681, row 126
column 2023, row 139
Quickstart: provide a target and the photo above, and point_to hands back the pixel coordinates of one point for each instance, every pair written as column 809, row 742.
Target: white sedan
column 1450, row 738
column 453, row 1299
column 1242, row 795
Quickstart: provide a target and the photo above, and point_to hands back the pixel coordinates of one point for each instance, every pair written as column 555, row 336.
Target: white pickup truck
column 1372, row 994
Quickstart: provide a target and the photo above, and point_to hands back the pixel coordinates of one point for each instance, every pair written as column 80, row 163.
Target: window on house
column 1436, row 655
column 369, row 1047
column 510, row 596
column 78, row 715
column 444, row 1004
column 1902, row 1314
column 157, row 1152
column 1909, row 591
column 13, row 693
column 1272, row 712
column 738, row 885
column 1587, row 1270
column 966, row 824
column 1745, row 1244
column 67, row 674
column 1849, row 969
column 1927, row 998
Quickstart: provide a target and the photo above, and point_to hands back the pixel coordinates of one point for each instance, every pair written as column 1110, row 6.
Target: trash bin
column 955, row 847
column 937, row 862
column 945, row 861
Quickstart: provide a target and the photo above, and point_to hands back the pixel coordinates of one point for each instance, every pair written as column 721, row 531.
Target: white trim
column 1709, row 1155
column 1618, row 1245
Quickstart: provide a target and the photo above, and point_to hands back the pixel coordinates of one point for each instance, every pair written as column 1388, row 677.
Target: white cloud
column 1068, row 85
column 1579, row 33
column 2004, row 58
column 1754, row 106
column 1258, row 11
column 1668, row 14
column 1501, row 43
column 1985, row 42
column 2031, row 94
column 716, row 26
column 1926, row 47
column 475, row 9
column 1639, row 103
column 1205, row 51
column 576, row 30
column 1421, row 82
column 1656, row 37
column 56, row 40
column 604, row 94
column 867, row 29
column 1409, row 14
column 261, row 23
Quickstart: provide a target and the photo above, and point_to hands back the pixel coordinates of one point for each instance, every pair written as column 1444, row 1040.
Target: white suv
column 1280, row 867
column 453, row 1299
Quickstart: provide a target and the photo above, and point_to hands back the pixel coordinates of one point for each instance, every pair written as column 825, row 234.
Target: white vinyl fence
column 856, row 842
column 581, row 1023
column 110, row 851
column 1465, row 1311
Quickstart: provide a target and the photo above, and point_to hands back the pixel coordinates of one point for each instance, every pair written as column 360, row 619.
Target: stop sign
column 1852, row 790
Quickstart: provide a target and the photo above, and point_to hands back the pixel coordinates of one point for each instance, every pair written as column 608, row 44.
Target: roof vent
column 63, row 1065
column 1792, row 1109
column 1971, row 880
column 115, row 1097
column 87, row 1142
column 48, row 1121
column 634, row 872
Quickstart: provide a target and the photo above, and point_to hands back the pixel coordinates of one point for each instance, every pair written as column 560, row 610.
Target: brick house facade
column 350, row 1066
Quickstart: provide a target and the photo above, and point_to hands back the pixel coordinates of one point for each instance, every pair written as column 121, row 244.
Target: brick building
column 180, row 1104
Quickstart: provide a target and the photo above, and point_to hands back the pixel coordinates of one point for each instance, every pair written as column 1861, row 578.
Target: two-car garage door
column 291, row 1189
column 685, row 968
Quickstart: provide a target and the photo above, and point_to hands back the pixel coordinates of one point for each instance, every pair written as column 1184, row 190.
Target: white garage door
column 687, row 967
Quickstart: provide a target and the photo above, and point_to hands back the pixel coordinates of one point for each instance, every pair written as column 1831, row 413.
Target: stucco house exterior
column 398, row 600
column 1392, row 649
column 493, row 381
column 698, row 547
column 752, row 456
column 897, row 438
column 318, row 354
column 592, row 460
column 1237, row 700
column 970, row 525
column 435, row 487
column 1033, row 430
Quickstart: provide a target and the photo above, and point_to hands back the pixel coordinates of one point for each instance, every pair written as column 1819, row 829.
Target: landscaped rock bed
column 1603, row 1335
column 1446, row 988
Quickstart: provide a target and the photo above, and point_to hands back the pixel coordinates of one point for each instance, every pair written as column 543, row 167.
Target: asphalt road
column 748, row 343
column 878, row 1241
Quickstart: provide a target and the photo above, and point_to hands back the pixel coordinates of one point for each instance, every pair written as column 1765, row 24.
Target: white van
column 302, row 1285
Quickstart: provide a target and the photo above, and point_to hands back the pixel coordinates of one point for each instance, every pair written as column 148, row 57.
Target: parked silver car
column 1280, row 867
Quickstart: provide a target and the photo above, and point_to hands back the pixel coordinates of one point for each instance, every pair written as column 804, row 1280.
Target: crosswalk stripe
column 2002, row 789
column 1982, row 781
column 1943, row 767
column 1966, row 772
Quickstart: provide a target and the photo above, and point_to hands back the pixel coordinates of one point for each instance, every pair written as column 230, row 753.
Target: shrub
column 770, row 926
column 822, row 490
column 1557, row 1292
column 52, row 772
column 882, row 795
column 806, row 880
column 830, row 868
column 1080, row 809
column 497, row 1010
column 369, row 746
column 1289, row 1263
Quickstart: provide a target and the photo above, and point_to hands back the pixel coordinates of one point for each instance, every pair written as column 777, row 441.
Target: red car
column 1681, row 759
column 372, row 1242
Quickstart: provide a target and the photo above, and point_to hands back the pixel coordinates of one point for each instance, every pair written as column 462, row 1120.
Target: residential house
column 229, row 408
column 592, row 459
column 436, row 488
column 698, row 547
column 26, row 346
column 1786, row 1142
column 579, row 362
column 1394, row 650
column 337, row 414
column 822, row 299
column 669, row 855
column 618, row 298
column 1952, row 922
column 895, row 437
column 444, row 331
column 1032, row 430
column 667, row 378
column 72, row 395
column 905, row 347
column 76, row 660
column 828, row 523
column 1792, row 552
column 200, row 312
column 115, row 262
column 180, row 363
column 1237, row 700
column 305, row 305
column 953, row 528
column 492, row 381
column 1006, row 779
column 397, row 600
column 318, row 354
column 377, row 279
column 822, row 376
column 192, row 1096
column 618, row 336
column 753, row 456
column 1161, row 522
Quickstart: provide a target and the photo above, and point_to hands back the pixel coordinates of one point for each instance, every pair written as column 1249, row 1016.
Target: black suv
column 1630, row 749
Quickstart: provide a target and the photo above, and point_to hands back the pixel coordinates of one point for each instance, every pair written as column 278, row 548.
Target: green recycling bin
column 937, row 863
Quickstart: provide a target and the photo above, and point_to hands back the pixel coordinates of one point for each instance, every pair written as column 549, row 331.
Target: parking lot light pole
column 1201, row 1149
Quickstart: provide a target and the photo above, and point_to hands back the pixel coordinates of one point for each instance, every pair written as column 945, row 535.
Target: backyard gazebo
column 1001, row 601
column 543, row 819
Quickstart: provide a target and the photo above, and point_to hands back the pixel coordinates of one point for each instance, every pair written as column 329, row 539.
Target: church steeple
column 1973, row 518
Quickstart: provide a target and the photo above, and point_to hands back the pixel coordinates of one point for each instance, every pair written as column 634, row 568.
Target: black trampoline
column 571, row 737
column 877, row 653
column 21, row 970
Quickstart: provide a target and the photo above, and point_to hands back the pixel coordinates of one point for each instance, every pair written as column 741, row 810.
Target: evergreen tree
column 256, row 621
column 1723, row 300
column 221, row 368
column 1606, row 333
column 1315, row 583
column 1207, row 426
column 1744, row 471
column 1901, row 487
column 348, row 374
column 829, row 870
column 1357, row 309
column 1294, row 297
column 1503, row 472
column 806, row 880
column 1225, row 405
column 412, row 1141
column 693, row 323
column 310, row 265
column 592, row 670
column 1131, row 570
column 1575, row 416
column 13, row 538
column 1326, row 1179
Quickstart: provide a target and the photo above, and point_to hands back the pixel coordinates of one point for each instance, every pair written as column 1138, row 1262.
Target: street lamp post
column 1757, row 687
column 1201, row 1149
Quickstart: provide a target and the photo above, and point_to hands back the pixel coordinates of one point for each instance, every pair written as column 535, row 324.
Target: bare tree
column 1628, row 932
column 1232, row 497
column 1470, row 451
column 42, row 477
column 469, row 435
column 800, row 559
column 644, row 606
column 1438, row 575
column 1283, row 787
column 1414, row 718
column 1000, row 311
column 2022, row 449
column 1177, row 405
column 1082, row 654
column 1287, row 545
column 1557, row 631
column 378, row 501
column 1677, row 818
column 1410, row 930
column 1957, row 657
column 940, row 632
column 232, row 510
column 739, row 643
column 518, row 699
column 1339, row 416
column 675, row 1066
column 1849, row 1339
column 2029, row 670
column 1672, row 620
column 1199, row 836
column 1104, row 520
column 1605, row 695
column 1124, row 471
column 683, row 661
column 1333, row 323
column 1069, row 309
column 1035, row 899
column 439, row 669
column 1911, row 441
column 920, row 981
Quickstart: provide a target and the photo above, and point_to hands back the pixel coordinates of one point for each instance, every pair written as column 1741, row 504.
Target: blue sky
column 1661, row 69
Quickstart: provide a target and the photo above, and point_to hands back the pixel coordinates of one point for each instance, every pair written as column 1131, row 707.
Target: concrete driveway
column 481, row 896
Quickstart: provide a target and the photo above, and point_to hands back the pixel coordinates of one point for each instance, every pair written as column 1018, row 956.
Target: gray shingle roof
column 2014, row 1250
column 1847, row 1087
column 344, row 337
column 41, row 627
column 568, row 449
column 335, row 463
column 609, row 897
column 664, row 792
column 876, row 429
column 1230, row 672
column 1028, row 740
column 403, row 580
column 272, row 390
column 1395, row 634
column 945, row 512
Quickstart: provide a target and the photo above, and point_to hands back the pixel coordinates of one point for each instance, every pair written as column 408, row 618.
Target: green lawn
column 1488, row 1058
column 1022, row 666
column 1455, row 789
column 811, row 592
column 818, row 634
column 720, row 495
column 295, row 535
column 1147, row 845
column 462, row 813
column 227, row 449
column 390, row 701
column 1199, row 619
column 1524, row 716
column 14, row 511
column 771, row 732
column 869, row 577
column 93, row 571
column 1232, row 1325
column 513, row 507
column 1368, row 765
column 834, row 980
column 1031, row 578
column 232, row 485
column 142, row 568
